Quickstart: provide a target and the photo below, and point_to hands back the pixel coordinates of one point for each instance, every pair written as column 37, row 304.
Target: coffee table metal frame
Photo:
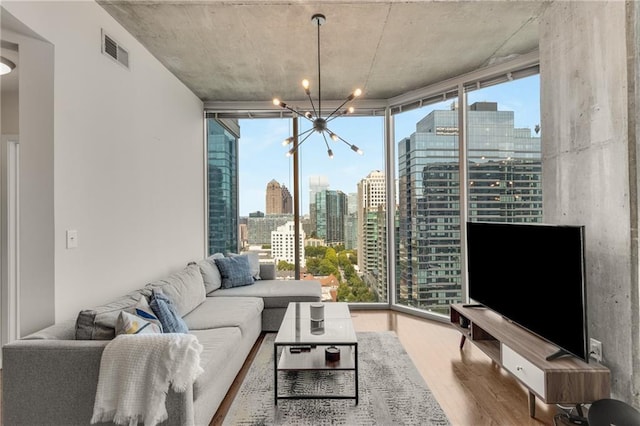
column 297, row 330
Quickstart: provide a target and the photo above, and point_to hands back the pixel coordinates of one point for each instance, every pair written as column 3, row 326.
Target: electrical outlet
column 595, row 349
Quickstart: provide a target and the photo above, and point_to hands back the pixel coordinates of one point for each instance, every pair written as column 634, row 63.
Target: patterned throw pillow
column 235, row 271
column 254, row 262
column 132, row 324
column 166, row 312
column 144, row 311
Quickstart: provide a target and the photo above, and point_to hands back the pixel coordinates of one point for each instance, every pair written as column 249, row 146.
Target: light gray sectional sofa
column 50, row 377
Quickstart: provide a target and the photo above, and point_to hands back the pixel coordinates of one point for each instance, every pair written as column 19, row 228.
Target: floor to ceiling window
column 503, row 184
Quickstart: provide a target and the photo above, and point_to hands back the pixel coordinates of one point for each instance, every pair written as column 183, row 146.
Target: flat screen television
column 534, row 276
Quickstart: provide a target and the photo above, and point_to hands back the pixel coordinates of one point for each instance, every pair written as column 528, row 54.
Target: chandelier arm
column 317, row 113
column 329, row 151
column 295, row 148
column 305, row 132
column 325, row 140
column 352, row 146
column 289, row 140
column 337, row 109
column 333, row 117
column 338, row 136
column 298, row 113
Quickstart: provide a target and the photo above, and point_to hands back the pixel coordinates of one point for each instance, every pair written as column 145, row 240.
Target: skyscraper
column 372, row 196
column 504, row 166
column 331, row 210
column 351, row 222
column 222, row 185
column 278, row 199
column 316, row 184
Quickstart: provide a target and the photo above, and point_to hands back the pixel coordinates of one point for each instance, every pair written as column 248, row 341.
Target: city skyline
column 262, row 157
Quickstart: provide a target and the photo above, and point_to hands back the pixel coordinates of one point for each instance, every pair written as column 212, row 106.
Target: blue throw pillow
column 235, row 271
column 166, row 313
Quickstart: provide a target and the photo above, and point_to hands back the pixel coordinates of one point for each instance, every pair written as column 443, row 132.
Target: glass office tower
column 504, row 185
column 222, row 185
column 331, row 210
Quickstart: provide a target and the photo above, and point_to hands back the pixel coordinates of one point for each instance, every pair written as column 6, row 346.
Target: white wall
column 128, row 169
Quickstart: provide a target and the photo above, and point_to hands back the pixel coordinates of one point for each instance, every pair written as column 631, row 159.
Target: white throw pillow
column 144, row 311
column 132, row 324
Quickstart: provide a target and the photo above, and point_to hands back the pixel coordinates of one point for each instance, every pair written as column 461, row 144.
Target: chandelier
column 319, row 123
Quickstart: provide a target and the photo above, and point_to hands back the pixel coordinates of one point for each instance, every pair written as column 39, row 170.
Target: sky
column 262, row 157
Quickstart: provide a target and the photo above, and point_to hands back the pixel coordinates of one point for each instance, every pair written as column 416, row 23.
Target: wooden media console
column 566, row 380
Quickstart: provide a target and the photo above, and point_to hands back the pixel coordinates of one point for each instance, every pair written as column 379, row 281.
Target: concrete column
column 589, row 166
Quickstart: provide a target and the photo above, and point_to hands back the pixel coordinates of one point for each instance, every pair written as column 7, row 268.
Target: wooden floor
column 472, row 390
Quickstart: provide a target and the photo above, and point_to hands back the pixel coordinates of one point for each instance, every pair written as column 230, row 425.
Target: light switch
column 72, row 238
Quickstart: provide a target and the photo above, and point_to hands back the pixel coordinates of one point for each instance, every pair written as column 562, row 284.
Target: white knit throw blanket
column 136, row 372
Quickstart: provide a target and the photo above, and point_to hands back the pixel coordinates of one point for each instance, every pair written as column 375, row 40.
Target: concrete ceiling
column 253, row 50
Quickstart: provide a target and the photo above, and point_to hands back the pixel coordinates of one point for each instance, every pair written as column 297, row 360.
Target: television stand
column 566, row 380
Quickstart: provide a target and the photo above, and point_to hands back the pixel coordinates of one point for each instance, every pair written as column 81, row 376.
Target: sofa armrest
column 56, row 381
column 52, row 380
column 268, row 271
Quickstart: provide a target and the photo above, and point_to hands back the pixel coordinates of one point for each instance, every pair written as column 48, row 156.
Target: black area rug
column 392, row 391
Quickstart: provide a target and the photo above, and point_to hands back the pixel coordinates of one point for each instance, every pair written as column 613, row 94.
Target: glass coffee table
column 301, row 344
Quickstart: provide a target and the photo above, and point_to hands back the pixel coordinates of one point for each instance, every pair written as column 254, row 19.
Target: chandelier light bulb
column 305, row 84
column 333, row 136
column 308, row 115
column 287, row 141
column 350, row 110
column 330, row 153
column 357, row 93
column 356, row 149
column 276, row 101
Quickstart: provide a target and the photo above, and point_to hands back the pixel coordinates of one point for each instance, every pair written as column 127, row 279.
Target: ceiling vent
column 115, row 51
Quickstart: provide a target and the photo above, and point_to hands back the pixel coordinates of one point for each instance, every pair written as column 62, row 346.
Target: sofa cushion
column 216, row 312
column 99, row 323
column 128, row 323
column 277, row 293
column 235, row 271
column 184, row 288
column 167, row 313
column 218, row 345
column 210, row 273
column 254, row 262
